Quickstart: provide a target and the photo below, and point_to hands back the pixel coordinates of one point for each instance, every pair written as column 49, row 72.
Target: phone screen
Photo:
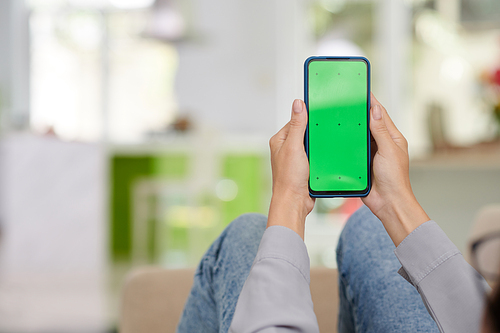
column 338, row 135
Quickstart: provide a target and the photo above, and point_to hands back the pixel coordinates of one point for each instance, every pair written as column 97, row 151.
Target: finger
column 395, row 134
column 378, row 127
column 393, row 130
column 298, row 122
column 373, row 148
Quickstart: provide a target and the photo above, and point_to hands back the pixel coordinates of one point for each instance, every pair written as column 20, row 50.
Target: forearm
column 451, row 289
column 291, row 202
column 276, row 295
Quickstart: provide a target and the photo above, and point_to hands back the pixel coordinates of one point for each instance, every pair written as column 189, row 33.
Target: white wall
column 14, row 64
column 243, row 65
column 294, row 44
column 391, row 68
column 53, row 251
column 5, row 59
column 233, row 70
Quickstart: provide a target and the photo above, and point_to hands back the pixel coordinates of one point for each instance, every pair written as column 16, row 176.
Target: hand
column 391, row 198
column 290, row 203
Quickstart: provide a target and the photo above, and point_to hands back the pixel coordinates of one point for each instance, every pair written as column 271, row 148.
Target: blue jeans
column 373, row 297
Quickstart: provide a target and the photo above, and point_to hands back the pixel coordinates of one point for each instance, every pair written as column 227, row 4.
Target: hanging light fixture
column 131, row 4
column 167, row 23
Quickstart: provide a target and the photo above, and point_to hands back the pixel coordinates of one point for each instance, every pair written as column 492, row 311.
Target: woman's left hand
column 290, row 203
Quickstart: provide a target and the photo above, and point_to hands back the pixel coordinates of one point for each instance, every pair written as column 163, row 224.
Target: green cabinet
column 162, row 213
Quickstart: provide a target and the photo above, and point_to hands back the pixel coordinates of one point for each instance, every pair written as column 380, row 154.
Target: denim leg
column 373, row 296
column 220, row 276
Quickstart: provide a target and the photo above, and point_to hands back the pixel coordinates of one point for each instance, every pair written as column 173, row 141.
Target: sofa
column 153, row 297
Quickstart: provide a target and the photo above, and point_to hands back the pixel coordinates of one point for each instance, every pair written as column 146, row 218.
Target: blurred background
column 134, row 131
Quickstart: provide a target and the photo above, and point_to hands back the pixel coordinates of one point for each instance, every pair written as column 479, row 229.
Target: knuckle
column 294, row 123
column 381, row 129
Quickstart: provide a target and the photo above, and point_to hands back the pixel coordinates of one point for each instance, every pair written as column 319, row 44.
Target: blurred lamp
column 167, row 23
column 132, row 4
column 338, row 47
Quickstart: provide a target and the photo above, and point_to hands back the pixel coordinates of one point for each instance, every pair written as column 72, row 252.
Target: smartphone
column 337, row 138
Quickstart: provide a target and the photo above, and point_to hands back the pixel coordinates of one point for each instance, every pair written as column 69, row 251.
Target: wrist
column 288, row 210
column 401, row 216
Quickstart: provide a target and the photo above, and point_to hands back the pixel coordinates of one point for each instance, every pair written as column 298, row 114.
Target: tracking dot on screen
column 358, row 74
column 316, row 124
column 339, row 124
column 340, row 177
column 359, row 124
column 316, row 73
column 359, row 177
column 338, row 74
column 317, row 177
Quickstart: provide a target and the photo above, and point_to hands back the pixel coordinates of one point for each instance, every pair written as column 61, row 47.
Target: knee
column 240, row 238
column 362, row 229
column 360, row 225
column 247, row 227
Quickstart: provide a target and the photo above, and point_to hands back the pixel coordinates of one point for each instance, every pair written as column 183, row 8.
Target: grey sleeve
column 276, row 295
column 450, row 288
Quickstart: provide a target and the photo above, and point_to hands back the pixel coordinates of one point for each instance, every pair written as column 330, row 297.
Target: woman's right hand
column 391, row 198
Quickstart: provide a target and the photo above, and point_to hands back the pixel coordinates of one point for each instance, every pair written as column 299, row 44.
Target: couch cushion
column 153, row 299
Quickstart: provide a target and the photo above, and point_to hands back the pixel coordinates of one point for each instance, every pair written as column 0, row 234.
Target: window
column 96, row 72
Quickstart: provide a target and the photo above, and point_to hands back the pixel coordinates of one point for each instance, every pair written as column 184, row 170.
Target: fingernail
column 377, row 112
column 297, row 106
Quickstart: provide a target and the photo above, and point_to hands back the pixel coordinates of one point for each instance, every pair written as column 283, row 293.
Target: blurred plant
column 490, row 81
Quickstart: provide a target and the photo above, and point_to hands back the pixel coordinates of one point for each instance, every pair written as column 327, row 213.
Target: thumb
column 378, row 127
column 298, row 122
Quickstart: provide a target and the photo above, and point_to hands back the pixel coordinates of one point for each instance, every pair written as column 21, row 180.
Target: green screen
column 338, row 118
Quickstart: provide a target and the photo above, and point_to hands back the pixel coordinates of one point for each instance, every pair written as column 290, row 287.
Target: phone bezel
column 335, row 194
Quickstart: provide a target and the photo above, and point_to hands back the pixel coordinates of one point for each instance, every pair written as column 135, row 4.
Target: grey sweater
column 276, row 295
